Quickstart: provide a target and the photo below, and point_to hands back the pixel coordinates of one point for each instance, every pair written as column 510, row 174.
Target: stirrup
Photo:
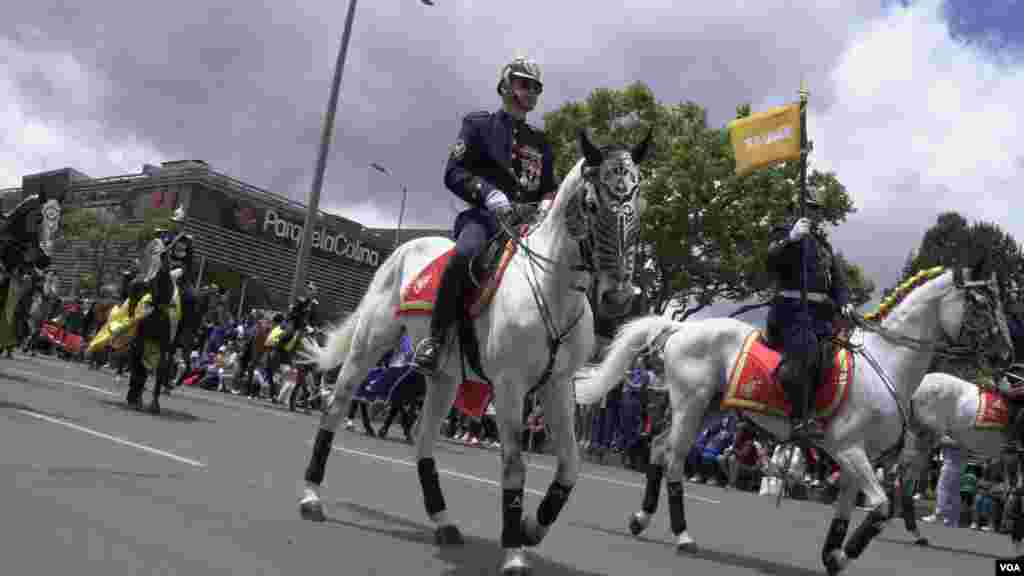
column 428, row 355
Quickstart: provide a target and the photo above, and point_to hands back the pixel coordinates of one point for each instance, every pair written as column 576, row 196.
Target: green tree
column 705, row 230
column 953, row 241
column 861, row 287
column 99, row 236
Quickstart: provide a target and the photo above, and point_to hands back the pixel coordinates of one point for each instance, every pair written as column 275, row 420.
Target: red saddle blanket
column 753, row 387
column 993, row 410
column 419, row 296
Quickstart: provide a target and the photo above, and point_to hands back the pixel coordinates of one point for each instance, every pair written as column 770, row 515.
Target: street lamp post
column 405, row 193
column 313, row 206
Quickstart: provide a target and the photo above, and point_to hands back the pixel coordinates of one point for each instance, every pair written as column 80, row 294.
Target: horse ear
column 590, row 152
column 640, row 150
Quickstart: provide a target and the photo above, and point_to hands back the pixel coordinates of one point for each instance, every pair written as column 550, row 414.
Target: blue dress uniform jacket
column 499, row 151
column 825, row 276
column 799, row 334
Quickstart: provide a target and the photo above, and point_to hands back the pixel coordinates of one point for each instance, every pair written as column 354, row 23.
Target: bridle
column 605, row 236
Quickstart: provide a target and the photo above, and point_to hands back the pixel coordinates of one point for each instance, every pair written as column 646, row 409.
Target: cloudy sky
column 915, row 105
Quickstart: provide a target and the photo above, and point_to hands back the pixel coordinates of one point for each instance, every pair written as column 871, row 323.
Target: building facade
column 246, row 239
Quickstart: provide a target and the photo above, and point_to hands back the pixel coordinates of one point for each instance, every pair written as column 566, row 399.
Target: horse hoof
column 922, row 541
column 515, row 563
column 312, row 510
column 533, row 532
column 637, row 524
column 448, row 535
column 835, row 563
column 685, row 544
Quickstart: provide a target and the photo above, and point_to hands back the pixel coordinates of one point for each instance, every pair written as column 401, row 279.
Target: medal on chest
column 530, row 163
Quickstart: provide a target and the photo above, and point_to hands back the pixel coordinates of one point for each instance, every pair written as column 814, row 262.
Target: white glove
column 497, row 201
column 800, row 229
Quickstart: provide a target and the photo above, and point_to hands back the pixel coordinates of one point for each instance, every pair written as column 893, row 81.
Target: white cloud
column 368, row 213
column 915, row 122
column 920, row 124
column 34, row 144
column 371, row 213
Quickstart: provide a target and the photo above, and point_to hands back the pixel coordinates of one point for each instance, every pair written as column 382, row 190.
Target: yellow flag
column 765, row 138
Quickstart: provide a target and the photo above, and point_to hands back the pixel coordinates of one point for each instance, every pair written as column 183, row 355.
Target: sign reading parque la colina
column 323, row 240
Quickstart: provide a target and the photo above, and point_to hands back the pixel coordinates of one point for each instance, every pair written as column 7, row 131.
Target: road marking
column 489, row 482
column 446, row 472
column 113, row 439
column 293, row 416
column 177, row 391
column 57, row 381
column 623, row 483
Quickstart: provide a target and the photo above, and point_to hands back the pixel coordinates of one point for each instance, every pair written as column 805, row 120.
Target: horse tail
column 335, row 349
column 595, row 382
column 339, row 337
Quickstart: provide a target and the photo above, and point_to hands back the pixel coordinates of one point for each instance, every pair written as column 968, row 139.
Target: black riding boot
column 429, row 351
column 795, row 378
column 136, row 375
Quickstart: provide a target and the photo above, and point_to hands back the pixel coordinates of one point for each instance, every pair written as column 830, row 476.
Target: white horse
column 699, row 357
column 947, row 405
column 536, row 332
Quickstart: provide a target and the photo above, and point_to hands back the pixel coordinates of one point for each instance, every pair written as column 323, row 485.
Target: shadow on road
column 22, row 379
column 442, row 445
column 52, row 414
column 957, row 551
column 165, row 412
column 756, row 564
column 86, row 473
column 477, row 556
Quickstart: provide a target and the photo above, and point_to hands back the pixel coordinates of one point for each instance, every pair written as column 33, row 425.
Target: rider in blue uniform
column 798, row 334
column 497, row 161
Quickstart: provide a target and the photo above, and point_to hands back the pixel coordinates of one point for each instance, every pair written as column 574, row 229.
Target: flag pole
column 803, row 214
column 808, row 406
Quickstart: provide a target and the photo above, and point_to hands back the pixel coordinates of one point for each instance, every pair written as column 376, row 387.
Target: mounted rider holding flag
column 497, row 161
column 803, row 249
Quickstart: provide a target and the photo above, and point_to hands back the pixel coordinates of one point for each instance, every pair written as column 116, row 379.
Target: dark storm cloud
column 244, row 85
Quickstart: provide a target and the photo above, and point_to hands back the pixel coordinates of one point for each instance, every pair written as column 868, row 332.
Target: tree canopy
column 953, row 241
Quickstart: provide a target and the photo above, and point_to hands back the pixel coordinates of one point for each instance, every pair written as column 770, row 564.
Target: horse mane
column 901, row 292
column 565, row 191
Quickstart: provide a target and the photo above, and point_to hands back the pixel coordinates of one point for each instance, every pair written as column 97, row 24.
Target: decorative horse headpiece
column 30, row 232
column 610, row 207
column 983, row 328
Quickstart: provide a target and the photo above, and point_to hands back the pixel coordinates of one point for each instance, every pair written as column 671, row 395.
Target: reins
column 555, row 337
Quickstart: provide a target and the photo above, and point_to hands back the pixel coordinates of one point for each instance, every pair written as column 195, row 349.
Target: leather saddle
column 823, row 362
column 486, row 262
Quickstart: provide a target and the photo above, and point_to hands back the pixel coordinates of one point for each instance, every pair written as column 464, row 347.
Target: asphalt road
column 210, row 487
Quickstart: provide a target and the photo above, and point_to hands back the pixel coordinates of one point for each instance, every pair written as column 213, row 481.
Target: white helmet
column 519, row 67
